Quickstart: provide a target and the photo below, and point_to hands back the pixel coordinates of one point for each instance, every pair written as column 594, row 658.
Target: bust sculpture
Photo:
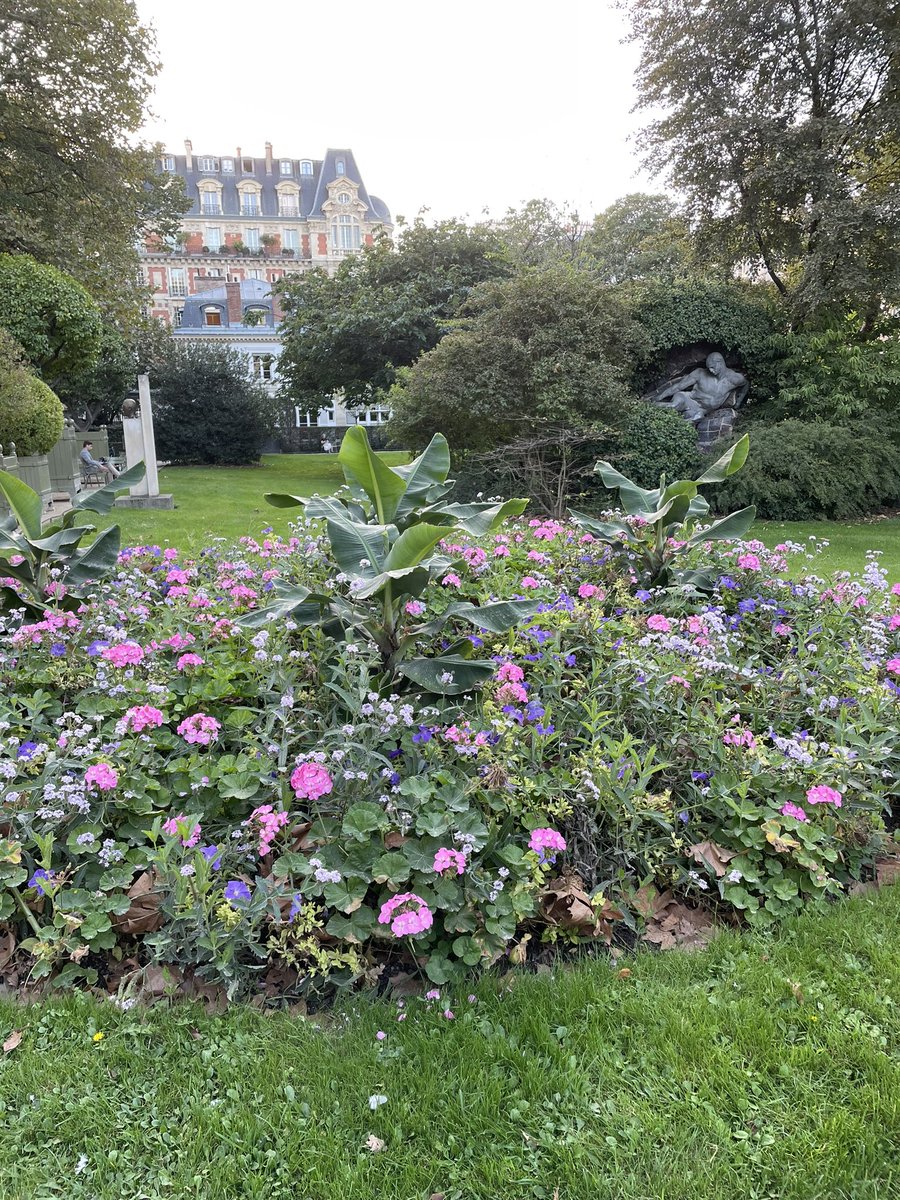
column 129, row 407
column 705, row 391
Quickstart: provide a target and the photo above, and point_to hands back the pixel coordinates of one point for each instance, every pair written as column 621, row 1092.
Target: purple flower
column 747, row 606
column 296, row 905
column 569, row 660
column 58, row 649
column 27, row 751
column 95, row 648
column 40, row 876
column 423, row 736
column 213, row 854
column 642, row 594
column 236, row 891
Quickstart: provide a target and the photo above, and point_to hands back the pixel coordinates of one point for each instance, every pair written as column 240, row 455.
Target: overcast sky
column 455, row 108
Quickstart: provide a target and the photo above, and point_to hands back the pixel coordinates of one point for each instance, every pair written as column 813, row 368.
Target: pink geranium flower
column 102, row 776
column 126, row 654
column 189, row 660
column 544, row 840
column 199, row 729
column 447, row 860
column 658, row 623
column 793, row 810
column 310, row 781
column 407, row 915
column 174, row 826
column 824, row 795
column 143, row 716
column 893, row 666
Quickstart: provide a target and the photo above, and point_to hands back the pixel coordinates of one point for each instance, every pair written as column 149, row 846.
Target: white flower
column 81, row 1164
column 376, row 1100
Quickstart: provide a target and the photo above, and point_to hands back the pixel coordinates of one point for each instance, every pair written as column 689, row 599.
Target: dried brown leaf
column 143, row 915
column 12, row 1041
column 887, row 871
column 374, row 1144
column 712, row 856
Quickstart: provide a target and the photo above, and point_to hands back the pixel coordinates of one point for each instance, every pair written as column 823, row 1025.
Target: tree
column 641, row 237
column 541, row 233
column 548, row 348
column 31, row 416
column 381, row 310
column 76, row 187
column 207, row 408
column 52, row 317
column 94, row 395
column 780, row 124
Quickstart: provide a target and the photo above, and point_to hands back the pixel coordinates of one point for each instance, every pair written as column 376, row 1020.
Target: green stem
column 28, row 915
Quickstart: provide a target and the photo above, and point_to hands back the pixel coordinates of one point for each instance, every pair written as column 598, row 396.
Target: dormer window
column 306, row 167
column 167, row 162
column 344, row 198
column 227, row 166
column 247, row 166
column 207, row 164
column 339, row 166
column 286, row 167
column 212, row 315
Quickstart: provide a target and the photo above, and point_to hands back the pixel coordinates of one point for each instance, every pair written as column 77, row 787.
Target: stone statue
column 129, row 408
column 705, row 391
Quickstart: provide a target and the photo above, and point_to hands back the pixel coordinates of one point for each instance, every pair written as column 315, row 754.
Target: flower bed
column 252, row 806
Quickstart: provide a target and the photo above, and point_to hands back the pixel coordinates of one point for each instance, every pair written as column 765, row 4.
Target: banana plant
column 56, row 547
column 384, row 528
column 667, row 519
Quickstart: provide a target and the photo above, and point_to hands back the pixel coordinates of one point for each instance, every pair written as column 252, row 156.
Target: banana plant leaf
column 432, row 673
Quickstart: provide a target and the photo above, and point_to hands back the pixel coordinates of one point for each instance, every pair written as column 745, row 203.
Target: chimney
column 268, row 158
column 189, row 154
column 233, row 298
column 238, row 158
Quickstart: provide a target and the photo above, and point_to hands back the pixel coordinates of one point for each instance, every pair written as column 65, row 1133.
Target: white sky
column 478, row 104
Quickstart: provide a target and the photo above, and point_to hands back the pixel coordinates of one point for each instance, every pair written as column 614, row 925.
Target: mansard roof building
column 257, row 219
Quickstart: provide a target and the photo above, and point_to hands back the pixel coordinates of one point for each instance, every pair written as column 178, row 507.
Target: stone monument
column 140, row 446
column 709, row 396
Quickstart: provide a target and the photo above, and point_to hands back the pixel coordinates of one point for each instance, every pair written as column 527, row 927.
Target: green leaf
column 392, row 868
column 347, row 895
column 363, row 819
column 298, row 603
column 478, row 518
column 412, row 546
column 353, row 543
column 24, row 503
column 735, row 525
column 730, row 462
column 290, row 864
column 383, row 486
column 606, row 531
column 634, row 499
column 428, row 471
column 99, row 559
column 357, row 926
column 498, row 617
column 428, row 673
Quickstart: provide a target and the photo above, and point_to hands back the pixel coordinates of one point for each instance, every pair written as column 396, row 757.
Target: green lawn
column 764, row 1067
column 228, row 503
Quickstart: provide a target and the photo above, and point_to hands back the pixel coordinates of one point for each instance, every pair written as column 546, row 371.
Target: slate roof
column 313, row 188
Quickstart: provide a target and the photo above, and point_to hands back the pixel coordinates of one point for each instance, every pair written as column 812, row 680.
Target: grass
column 228, row 503
column 763, row 1067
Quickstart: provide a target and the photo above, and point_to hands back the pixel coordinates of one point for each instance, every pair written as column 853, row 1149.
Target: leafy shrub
column 207, row 408
column 31, row 415
column 655, row 442
column 802, row 471
column 835, row 377
column 51, row 316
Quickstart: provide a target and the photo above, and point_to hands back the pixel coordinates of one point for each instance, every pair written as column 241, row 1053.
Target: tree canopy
column 640, row 237
column 382, row 309
column 548, row 346
column 50, row 315
column 779, row 122
column 76, row 187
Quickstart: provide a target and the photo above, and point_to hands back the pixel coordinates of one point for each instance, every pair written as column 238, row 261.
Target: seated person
column 89, row 464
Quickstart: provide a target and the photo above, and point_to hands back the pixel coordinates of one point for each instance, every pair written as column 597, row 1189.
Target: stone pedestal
column 34, row 469
column 715, row 427
column 140, row 446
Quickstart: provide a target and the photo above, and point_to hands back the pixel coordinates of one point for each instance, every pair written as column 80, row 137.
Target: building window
column 256, row 273
column 286, row 167
column 263, row 366
column 247, row 166
column 376, row 416
column 179, row 317
column 168, row 162
column 288, row 207
column 290, row 239
column 339, row 166
column 227, row 166
column 344, row 197
column 212, row 316
column 215, row 272
column 345, row 233
column 306, row 167
column 249, row 205
column 177, row 285
column 207, row 164
column 251, row 239
column 213, row 237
